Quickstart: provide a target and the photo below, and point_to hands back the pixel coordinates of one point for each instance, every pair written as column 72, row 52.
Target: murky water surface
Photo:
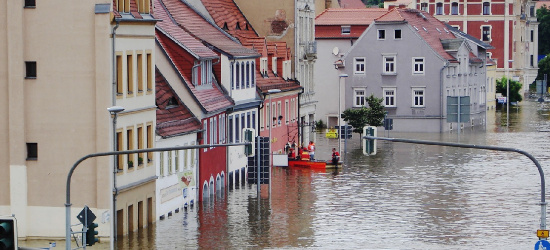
column 405, row 197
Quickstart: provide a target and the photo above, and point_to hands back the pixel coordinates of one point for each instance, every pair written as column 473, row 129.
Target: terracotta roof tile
column 428, row 27
column 172, row 120
column 185, row 39
column 211, row 99
column 349, row 16
column 227, row 14
column 199, row 27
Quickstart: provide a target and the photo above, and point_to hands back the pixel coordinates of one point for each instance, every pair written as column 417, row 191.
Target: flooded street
column 405, row 197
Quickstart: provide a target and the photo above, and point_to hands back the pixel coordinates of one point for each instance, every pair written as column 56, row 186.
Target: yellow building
column 57, row 81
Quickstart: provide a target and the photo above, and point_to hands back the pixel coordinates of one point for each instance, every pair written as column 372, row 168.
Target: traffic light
column 249, row 136
column 8, row 233
column 91, row 238
column 369, row 146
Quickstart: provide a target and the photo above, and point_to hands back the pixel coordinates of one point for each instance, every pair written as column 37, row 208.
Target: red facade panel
column 474, row 9
column 212, row 161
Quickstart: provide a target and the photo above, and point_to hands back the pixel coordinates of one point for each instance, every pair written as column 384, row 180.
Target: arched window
column 247, row 74
column 439, row 9
column 205, row 192
column 486, row 8
column 454, row 8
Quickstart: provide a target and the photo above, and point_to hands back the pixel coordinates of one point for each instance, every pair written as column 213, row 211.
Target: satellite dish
column 335, row 51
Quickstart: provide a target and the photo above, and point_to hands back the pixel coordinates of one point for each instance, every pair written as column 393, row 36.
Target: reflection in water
column 405, row 197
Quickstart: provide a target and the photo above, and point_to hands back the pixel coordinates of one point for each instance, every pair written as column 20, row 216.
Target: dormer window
column 123, row 6
column 143, row 6
column 263, row 66
column 238, row 26
column 172, row 102
column 274, row 65
column 202, row 73
column 346, row 30
column 225, row 26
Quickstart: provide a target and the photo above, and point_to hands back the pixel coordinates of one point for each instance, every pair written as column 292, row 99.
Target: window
column 253, row 119
column 143, row 6
column 389, row 97
column 230, row 128
column 439, row 8
column 359, row 97
column 169, row 162
column 273, row 114
column 120, row 159
column 130, row 74
column 206, row 72
column 279, row 114
column 486, row 33
column 149, row 76
column 418, row 65
column 248, row 74
column 237, row 126
column 532, row 35
column 346, row 30
column 140, row 144
column 237, row 75
column 30, row 70
column 359, row 68
column 161, row 164
column 381, row 34
column 267, row 118
column 243, row 76
column 389, row 65
column 253, row 73
column 119, row 87
column 532, row 61
column 397, row 34
column 287, row 112
column 177, row 160
column 149, row 142
column 418, row 97
column 424, row 7
column 486, row 8
column 263, row 66
column 130, row 146
column 30, row 3
column 454, row 8
column 32, row 151
column 140, row 73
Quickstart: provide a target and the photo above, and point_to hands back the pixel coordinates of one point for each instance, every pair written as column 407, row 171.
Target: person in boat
column 335, row 157
column 311, row 149
column 291, row 153
column 304, row 155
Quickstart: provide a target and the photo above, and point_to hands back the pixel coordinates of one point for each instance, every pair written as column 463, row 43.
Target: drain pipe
column 115, row 191
column 441, row 96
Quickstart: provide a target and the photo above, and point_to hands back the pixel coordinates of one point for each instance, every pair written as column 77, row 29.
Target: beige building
column 58, row 80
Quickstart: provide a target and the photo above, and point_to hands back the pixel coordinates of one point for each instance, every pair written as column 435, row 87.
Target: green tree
column 515, row 88
column 372, row 115
column 543, row 16
column 544, row 68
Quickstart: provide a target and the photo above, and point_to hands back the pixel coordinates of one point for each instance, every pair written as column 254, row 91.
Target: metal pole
column 507, row 98
column 339, row 115
column 458, row 118
column 459, row 145
column 270, row 141
column 115, row 191
column 258, row 166
column 71, row 171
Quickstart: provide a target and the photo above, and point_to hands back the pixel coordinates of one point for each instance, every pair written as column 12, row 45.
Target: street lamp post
column 270, row 93
column 340, row 110
column 508, row 93
column 114, row 112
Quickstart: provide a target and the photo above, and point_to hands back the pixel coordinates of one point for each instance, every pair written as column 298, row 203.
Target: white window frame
column 425, row 7
column 418, row 67
column 388, row 97
column 418, row 100
column 393, row 64
column 395, row 34
column 346, row 30
column 489, row 35
column 263, row 66
column 381, row 34
column 287, row 112
column 439, row 11
column 457, row 8
column 359, row 97
column 357, row 63
column 483, row 8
